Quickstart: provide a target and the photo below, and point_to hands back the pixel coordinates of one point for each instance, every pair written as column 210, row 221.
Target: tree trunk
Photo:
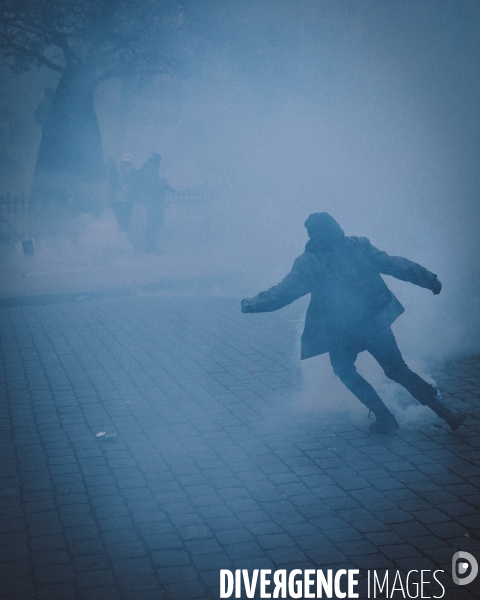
column 70, row 159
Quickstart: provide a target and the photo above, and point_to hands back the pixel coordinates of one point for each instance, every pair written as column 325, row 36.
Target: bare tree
column 87, row 42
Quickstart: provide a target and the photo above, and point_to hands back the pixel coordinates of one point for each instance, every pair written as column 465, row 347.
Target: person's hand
column 436, row 287
column 246, row 307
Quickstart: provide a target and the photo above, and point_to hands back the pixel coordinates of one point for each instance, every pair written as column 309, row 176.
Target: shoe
column 455, row 420
column 385, row 424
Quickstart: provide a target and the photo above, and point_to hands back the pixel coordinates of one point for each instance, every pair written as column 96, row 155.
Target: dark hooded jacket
column 347, row 290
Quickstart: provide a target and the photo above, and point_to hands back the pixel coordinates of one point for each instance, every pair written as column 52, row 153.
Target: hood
column 324, row 232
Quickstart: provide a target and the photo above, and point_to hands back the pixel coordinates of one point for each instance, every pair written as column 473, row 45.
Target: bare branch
column 49, row 64
column 108, row 37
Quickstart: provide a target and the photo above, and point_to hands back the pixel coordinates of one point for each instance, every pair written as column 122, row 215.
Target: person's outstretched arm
column 295, row 285
column 400, row 267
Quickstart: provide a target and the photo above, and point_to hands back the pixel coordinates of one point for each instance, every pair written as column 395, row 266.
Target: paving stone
column 93, row 562
column 129, row 566
column 187, row 590
column 409, row 529
column 85, row 547
column 170, row 558
column 139, row 582
column 104, row 592
column 48, row 542
column 287, row 556
column 55, row 591
column 53, row 573
column 50, row 557
column 244, row 550
column 447, row 530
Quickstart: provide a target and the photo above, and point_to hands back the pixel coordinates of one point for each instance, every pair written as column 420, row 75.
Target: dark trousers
column 378, row 339
column 153, row 227
column 123, row 213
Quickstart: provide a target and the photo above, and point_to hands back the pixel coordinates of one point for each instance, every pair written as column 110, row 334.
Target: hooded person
column 351, row 310
column 151, row 189
column 122, row 190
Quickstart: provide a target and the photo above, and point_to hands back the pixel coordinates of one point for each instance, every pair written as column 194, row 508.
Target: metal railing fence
column 18, row 214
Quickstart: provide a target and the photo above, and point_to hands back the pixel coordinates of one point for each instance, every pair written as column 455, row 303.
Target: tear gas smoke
column 367, row 112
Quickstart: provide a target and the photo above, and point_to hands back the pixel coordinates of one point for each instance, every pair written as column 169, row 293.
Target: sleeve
column 397, row 266
column 295, row 285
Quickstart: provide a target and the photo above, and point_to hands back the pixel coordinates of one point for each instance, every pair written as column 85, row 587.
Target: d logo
column 462, row 562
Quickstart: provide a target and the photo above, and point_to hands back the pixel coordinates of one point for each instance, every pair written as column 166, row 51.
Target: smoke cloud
column 366, row 110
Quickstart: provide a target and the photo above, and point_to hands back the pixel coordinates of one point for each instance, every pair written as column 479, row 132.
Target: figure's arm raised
column 400, row 267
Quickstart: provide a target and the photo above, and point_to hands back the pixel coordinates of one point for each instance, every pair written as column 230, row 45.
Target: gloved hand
column 246, row 307
column 436, row 286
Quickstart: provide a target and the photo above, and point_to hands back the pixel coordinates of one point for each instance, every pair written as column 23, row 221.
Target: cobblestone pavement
column 213, row 466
